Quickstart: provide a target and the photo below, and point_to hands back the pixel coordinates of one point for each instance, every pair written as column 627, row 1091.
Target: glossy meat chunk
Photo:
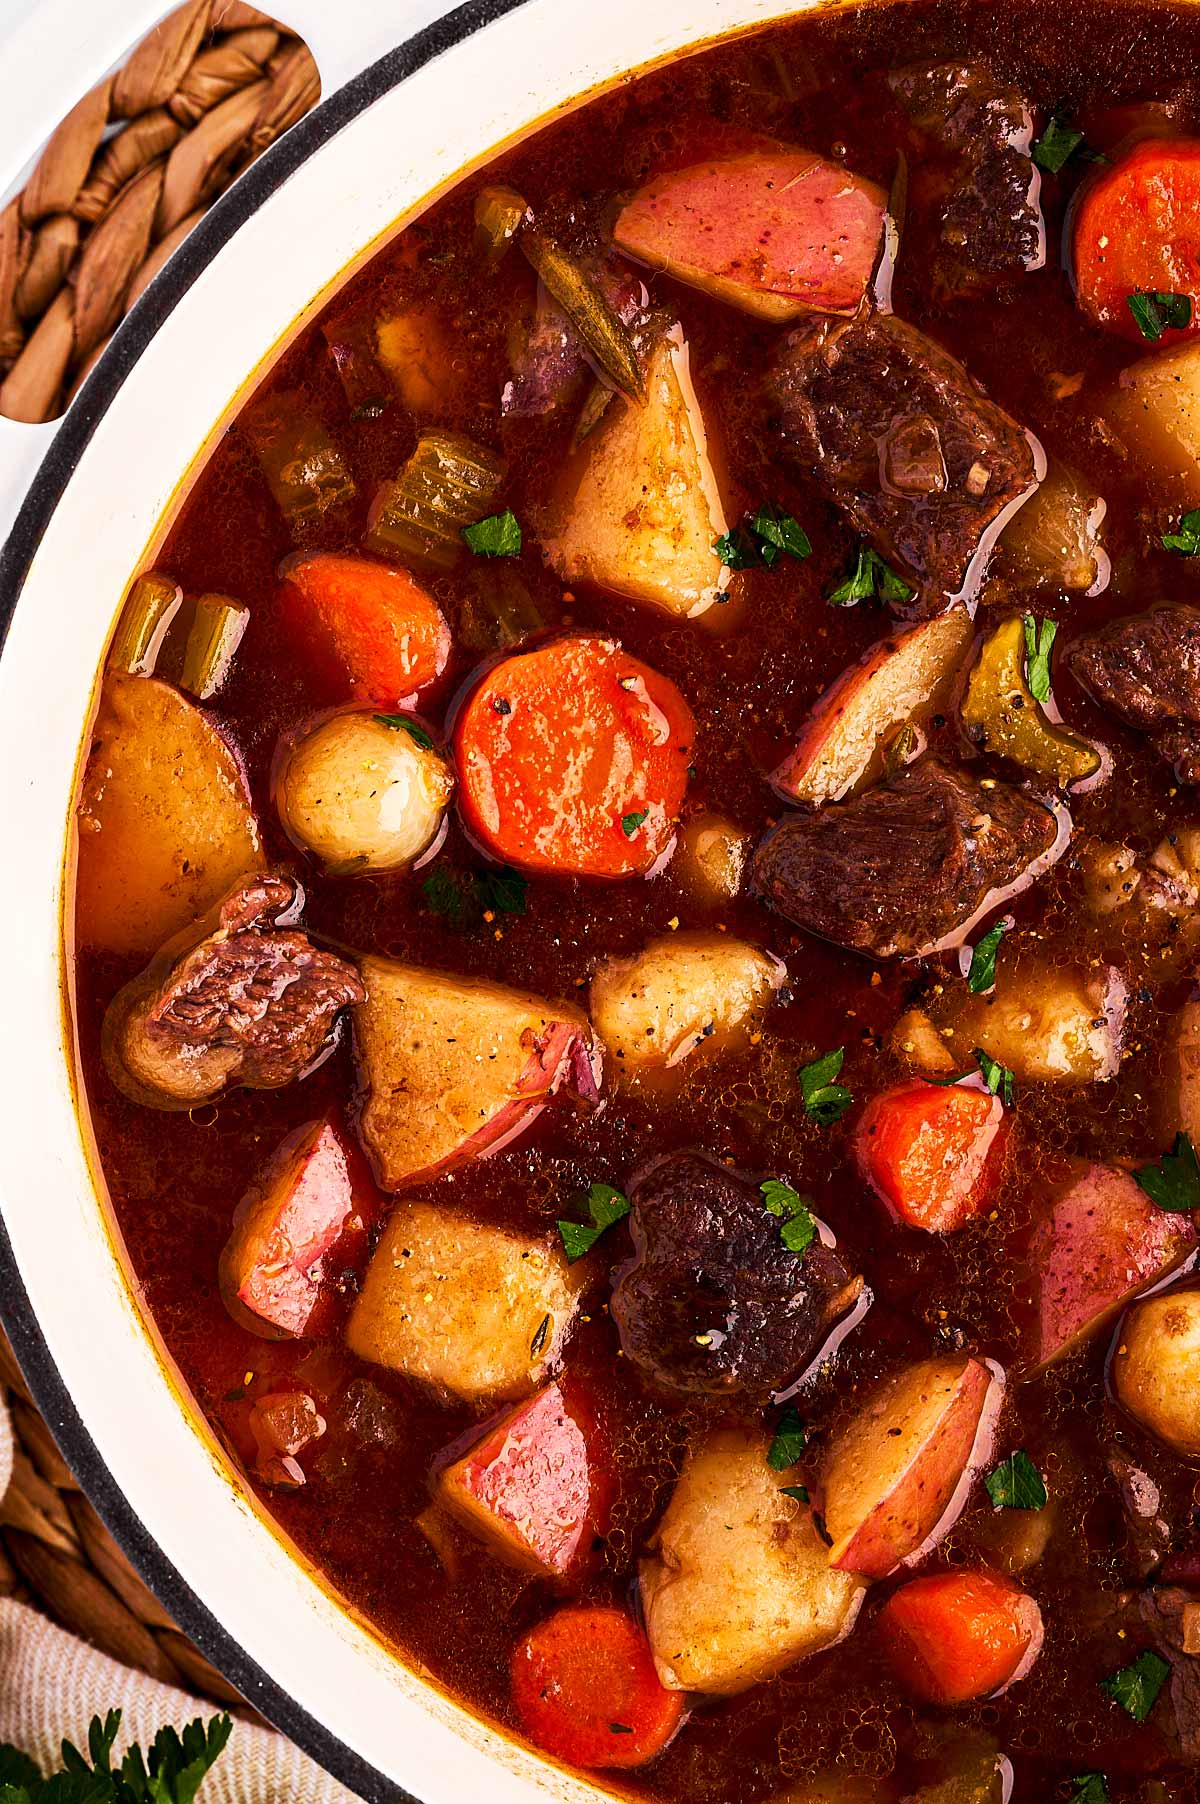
column 857, row 400
column 1146, row 671
column 905, row 866
column 712, row 1300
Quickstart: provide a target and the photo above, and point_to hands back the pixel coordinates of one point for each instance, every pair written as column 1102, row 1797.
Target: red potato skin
column 777, row 222
column 959, row 1635
column 302, row 1222
column 1136, row 229
column 585, row 1690
column 931, row 1152
column 555, row 747
column 543, row 1474
column 375, row 635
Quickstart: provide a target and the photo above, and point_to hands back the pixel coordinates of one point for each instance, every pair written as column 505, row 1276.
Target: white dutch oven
column 391, row 134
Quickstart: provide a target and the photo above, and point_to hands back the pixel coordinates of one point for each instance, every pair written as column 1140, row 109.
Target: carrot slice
column 585, row 1689
column 960, row 1635
column 930, row 1152
column 574, row 758
column 378, row 636
column 1137, row 231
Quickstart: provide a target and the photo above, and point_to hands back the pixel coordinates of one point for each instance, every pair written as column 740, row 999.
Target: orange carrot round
column 379, row 636
column 573, row 758
column 585, row 1690
column 1136, row 230
column 959, row 1635
column 929, row 1152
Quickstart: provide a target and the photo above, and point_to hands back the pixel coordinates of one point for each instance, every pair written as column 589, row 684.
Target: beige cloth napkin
column 51, row 1685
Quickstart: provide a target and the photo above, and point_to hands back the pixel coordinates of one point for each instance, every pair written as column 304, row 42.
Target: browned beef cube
column 1146, row 671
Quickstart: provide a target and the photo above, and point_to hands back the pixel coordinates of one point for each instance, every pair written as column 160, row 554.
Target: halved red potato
column 902, row 681
column 468, row 1309
column 298, row 1228
column 776, row 231
column 537, row 1489
column 166, row 825
column 641, row 510
column 680, row 992
column 897, row 1474
column 954, row 1636
column 736, row 1584
column 1098, row 1240
column 455, row 1067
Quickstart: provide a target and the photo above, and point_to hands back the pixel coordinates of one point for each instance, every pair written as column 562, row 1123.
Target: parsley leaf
column 1187, row 540
column 404, row 723
column 799, row 1230
column 1016, row 1484
column 997, row 1077
column 799, row 1492
column 789, row 1441
column 1136, row 1686
column 445, row 894
column 1057, row 144
column 605, row 1205
column 171, row 1773
column 497, row 536
column 504, row 892
column 869, row 578
column 631, row 822
column 1039, row 637
column 1174, row 1183
column 982, row 974
column 1157, row 312
column 1090, row 1788
column 824, row 1099
column 737, row 550
column 464, row 897
column 760, row 537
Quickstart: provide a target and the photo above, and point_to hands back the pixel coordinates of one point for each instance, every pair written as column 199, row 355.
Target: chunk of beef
column 915, row 455
column 252, row 1002
column 906, row 867
column 1172, row 1615
column 972, row 135
column 1146, row 671
column 712, row 1301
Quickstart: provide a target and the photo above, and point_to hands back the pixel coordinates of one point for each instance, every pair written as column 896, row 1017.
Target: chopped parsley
column 170, row 1773
column 997, row 1077
column 799, row 1230
column 761, row 538
column 799, row 1492
column 1090, row 1788
column 504, row 892
column 1016, row 1484
column 1039, row 638
column 789, row 1440
column 982, row 974
column 737, row 550
column 619, row 1729
column 1187, row 540
column 1174, row 1183
column 465, row 897
column 497, row 536
column 824, row 1099
column 404, row 723
column 869, row 578
column 1157, row 312
column 631, row 822
column 1057, row 144
column 1136, row 1686
column 604, row 1205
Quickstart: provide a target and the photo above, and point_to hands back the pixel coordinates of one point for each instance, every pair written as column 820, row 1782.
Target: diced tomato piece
column 930, row 1152
column 960, row 1635
column 299, row 1225
column 537, row 1488
column 377, row 635
column 585, row 1689
column 573, row 758
column 1137, row 231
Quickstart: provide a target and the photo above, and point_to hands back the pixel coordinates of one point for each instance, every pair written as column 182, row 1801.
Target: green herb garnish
column 497, row 536
column 1039, row 638
column 824, row 1099
column 631, row 822
column 503, row 892
column 799, row 1492
column 1157, row 312
column 869, row 578
column 1057, row 144
column 1187, row 540
column 1136, row 1687
column 171, row 1773
column 799, row 1229
column 605, row 1205
column 1174, row 1183
column 737, row 550
column 997, row 1077
column 982, row 974
column 1090, row 1788
column 760, row 538
column 404, row 723
column 789, row 1440
column 1016, row 1484
column 462, row 896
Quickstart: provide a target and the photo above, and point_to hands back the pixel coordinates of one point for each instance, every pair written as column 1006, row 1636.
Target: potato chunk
column 645, row 509
column 737, row 1585
column 711, row 859
column 165, row 822
column 1156, row 411
column 463, row 1306
column 1156, row 1368
column 681, row 991
column 1048, row 1023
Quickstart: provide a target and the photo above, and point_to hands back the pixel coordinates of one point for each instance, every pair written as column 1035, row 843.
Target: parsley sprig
column 404, row 723
column 799, row 1229
column 982, row 973
column 869, row 578
column 788, row 1442
column 762, row 538
column 824, row 1099
column 1039, row 639
column 1174, row 1182
column 997, row 1077
column 1090, row 1788
column 1187, row 540
column 464, row 898
column 605, row 1205
column 1057, row 144
column 1136, row 1686
column 1016, row 1484
column 497, row 536
column 1157, row 311
column 170, row 1774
